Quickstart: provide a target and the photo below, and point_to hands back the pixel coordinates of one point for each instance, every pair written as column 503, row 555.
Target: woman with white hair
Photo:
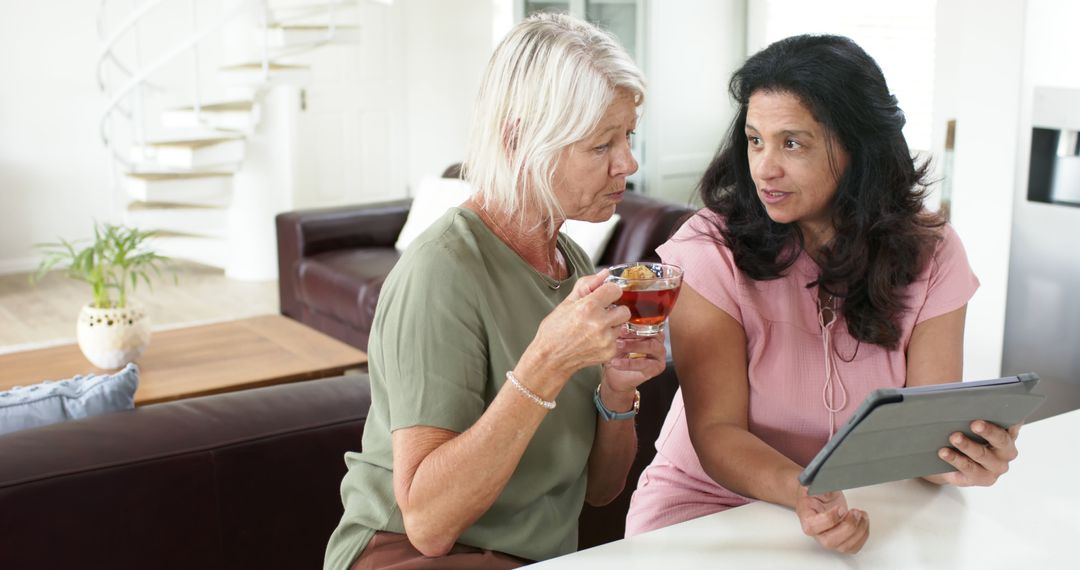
column 500, row 375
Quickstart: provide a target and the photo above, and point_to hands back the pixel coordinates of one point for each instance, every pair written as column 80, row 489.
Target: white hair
column 547, row 85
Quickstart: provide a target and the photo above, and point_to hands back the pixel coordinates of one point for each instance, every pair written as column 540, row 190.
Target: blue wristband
column 609, row 415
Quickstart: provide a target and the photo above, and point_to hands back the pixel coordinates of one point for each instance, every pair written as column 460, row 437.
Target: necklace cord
column 831, row 387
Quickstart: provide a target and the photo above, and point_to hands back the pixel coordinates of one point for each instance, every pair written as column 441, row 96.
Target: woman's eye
column 792, row 144
column 754, row 141
column 600, row 148
column 630, row 135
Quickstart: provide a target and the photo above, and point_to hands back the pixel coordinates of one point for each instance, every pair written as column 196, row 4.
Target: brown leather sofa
column 234, row 481
column 332, row 262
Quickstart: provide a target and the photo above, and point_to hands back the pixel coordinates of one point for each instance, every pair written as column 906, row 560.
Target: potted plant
column 112, row 329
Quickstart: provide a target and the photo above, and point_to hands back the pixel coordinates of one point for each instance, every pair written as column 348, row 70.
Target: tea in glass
column 649, row 291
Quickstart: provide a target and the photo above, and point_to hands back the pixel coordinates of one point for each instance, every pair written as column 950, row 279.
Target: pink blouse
column 791, row 406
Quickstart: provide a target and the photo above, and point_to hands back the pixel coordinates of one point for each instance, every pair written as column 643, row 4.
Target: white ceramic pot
column 110, row 338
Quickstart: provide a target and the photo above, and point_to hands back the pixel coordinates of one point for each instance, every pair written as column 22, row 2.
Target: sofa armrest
column 304, row 233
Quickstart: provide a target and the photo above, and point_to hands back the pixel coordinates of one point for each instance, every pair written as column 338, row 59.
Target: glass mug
column 649, row 291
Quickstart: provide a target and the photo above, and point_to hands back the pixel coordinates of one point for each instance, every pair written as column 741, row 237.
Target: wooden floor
column 44, row 313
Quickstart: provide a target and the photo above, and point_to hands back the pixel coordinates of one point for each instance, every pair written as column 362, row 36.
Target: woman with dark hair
column 812, row 277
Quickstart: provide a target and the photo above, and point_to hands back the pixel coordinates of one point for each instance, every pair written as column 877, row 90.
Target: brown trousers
column 393, row 551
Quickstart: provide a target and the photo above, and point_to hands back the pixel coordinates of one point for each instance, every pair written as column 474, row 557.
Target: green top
column 454, row 315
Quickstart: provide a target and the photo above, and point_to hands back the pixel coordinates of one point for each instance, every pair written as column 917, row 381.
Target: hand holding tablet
column 898, row 434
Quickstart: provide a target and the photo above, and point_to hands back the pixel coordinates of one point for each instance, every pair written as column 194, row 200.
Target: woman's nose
column 624, row 163
column 765, row 166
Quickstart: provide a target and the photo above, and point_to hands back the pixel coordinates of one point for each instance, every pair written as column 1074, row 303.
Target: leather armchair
column 332, row 264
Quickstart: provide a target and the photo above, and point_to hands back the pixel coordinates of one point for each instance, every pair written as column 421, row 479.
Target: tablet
column 896, row 432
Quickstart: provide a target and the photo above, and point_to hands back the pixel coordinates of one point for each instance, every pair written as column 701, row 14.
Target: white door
column 351, row 140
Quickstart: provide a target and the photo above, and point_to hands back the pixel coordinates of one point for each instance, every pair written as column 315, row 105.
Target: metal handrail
column 190, row 42
column 141, row 77
column 128, row 23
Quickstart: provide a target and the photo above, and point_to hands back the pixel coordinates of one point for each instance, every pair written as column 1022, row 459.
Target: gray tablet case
column 896, row 432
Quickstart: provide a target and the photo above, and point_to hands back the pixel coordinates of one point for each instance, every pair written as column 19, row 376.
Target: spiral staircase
column 203, row 103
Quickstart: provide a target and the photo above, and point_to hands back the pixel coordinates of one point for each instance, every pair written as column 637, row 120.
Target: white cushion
column 433, row 197
column 436, row 195
column 592, row 237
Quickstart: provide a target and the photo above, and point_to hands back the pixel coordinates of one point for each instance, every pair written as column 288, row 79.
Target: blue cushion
column 47, row 403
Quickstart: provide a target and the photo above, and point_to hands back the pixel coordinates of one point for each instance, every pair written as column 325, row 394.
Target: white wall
column 692, row 48
column 448, row 43
column 978, row 71
column 900, row 37
column 53, row 167
column 1051, row 51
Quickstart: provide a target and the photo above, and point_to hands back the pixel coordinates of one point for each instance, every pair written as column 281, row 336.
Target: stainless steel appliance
column 1042, row 317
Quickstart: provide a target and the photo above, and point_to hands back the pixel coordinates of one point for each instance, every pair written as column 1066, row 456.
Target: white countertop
column 1030, row 518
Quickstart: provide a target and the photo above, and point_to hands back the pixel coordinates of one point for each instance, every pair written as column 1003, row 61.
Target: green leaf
column 116, row 256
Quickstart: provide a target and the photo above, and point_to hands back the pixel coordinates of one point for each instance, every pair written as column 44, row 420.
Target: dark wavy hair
column 882, row 234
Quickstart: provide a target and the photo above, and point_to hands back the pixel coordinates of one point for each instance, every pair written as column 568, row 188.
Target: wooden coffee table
column 205, row 359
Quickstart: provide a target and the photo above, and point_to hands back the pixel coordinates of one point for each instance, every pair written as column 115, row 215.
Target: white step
column 282, row 36
column 191, row 154
column 290, row 10
column 231, row 115
column 143, row 167
column 253, row 73
column 189, row 133
column 178, row 218
column 205, row 250
column 197, row 189
column 319, row 4
column 241, row 92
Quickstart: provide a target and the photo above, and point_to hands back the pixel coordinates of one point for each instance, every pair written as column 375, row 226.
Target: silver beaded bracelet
column 547, row 404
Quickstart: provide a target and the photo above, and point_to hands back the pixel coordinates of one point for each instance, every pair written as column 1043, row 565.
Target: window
column 620, row 17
